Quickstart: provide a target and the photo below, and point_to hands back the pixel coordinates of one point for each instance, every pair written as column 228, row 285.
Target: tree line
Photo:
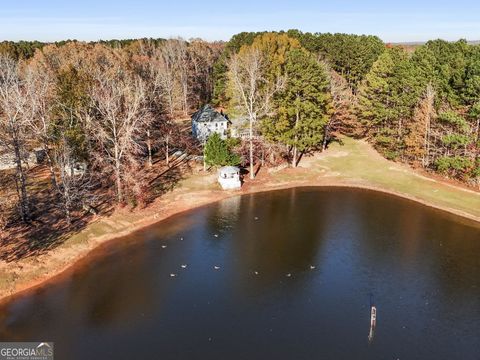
column 107, row 107
column 98, row 113
column 421, row 107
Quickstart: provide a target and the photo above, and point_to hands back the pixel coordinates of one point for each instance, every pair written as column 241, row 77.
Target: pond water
column 288, row 274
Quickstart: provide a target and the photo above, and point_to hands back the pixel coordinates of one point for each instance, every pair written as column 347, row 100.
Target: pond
column 287, row 274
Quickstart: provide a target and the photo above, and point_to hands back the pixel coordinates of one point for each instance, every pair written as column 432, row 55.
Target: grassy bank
column 357, row 163
column 354, row 163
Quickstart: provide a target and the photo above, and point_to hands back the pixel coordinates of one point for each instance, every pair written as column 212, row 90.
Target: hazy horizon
column 474, row 41
column 408, row 21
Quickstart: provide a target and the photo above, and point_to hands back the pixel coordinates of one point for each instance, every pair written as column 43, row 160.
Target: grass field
column 357, row 163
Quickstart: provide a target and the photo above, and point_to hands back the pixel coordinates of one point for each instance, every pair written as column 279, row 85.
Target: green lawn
column 355, row 162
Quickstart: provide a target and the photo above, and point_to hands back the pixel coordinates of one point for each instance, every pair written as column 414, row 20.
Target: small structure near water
column 229, row 177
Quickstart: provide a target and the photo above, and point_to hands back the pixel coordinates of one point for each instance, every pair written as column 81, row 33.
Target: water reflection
column 339, row 247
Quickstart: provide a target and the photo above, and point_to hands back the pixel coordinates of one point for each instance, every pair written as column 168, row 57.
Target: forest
column 102, row 113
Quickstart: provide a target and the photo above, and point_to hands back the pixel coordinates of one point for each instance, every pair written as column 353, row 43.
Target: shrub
column 218, row 153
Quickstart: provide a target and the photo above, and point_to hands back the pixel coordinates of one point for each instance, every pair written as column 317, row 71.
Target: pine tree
column 387, row 98
column 303, row 107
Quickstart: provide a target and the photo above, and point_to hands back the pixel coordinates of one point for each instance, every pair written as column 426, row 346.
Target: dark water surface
column 422, row 267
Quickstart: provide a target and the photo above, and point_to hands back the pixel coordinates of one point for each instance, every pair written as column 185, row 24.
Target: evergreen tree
column 303, row 107
column 387, row 98
column 443, row 63
column 256, row 75
column 349, row 55
column 217, row 152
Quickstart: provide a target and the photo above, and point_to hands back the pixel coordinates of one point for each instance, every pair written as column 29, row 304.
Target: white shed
column 229, row 177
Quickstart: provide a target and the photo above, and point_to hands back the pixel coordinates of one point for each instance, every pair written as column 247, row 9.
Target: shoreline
column 331, row 169
column 83, row 258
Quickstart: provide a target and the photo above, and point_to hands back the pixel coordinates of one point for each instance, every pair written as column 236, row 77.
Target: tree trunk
column 294, row 157
column 426, row 145
column 167, row 158
column 252, row 174
column 149, row 146
column 21, row 180
column 185, row 96
column 429, row 97
column 326, row 131
column 66, row 206
column 53, row 177
column 118, row 179
column 295, row 149
column 477, row 130
column 204, row 159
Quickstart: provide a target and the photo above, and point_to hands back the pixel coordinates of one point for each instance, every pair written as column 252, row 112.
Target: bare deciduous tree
column 39, row 87
column 344, row 102
column 252, row 92
column 120, row 120
column 13, row 126
column 76, row 181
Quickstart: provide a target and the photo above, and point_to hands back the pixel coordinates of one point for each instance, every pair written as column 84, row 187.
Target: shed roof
column 229, row 169
column 208, row 114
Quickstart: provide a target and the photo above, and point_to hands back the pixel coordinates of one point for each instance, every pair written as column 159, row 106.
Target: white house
column 229, row 177
column 206, row 121
column 8, row 161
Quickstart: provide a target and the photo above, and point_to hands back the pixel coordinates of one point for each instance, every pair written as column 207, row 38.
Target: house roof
column 208, row 114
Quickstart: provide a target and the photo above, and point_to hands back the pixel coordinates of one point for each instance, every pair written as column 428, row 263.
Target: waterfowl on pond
column 216, row 267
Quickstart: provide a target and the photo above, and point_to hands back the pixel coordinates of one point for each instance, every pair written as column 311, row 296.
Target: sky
column 392, row 21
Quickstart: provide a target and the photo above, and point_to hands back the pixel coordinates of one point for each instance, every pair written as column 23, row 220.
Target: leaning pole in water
column 373, row 322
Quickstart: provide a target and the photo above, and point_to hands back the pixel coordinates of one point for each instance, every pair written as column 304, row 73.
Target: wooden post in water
column 373, row 316
column 373, row 322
